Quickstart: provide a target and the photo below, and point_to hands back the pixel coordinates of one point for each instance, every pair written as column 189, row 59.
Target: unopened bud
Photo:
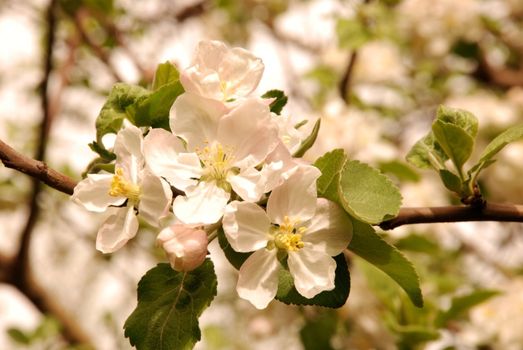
column 185, row 246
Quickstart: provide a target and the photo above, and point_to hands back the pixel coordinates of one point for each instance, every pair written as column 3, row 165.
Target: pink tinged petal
column 248, row 184
column 313, row 271
column 117, row 230
column 93, row 193
column 195, row 119
column 185, row 247
column 246, row 226
column 129, row 151
column 209, row 54
column 203, row 204
column 155, row 198
column 330, row 230
column 296, row 197
column 258, row 280
column 249, row 131
column 165, row 155
column 242, row 71
column 279, row 166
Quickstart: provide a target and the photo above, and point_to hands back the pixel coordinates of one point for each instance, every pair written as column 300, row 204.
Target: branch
column 345, row 86
column 490, row 212
column 36, row 169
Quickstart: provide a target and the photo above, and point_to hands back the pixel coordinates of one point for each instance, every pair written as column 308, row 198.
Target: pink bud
column 185, row 246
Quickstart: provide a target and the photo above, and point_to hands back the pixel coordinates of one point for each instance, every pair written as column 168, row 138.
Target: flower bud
column 185, row 246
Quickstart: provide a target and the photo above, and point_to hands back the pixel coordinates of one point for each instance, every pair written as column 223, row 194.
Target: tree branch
column 345, row 86
column 490, row 212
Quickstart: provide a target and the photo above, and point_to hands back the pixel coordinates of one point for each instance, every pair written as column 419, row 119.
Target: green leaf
column 412, row 335
column 451, row 181
column 460, row 118
column 330, row 165
column 352, row 33
column 114, row 111
column 166, row 73
column 426, row 153
column 235, row 258
column 309, row 141
column 335, row 298
column 105, row 155
column 510, row 135
column 19, row 336
column 455, row 141
column 400, row 170
column 169, row 304
column 462, row 304
column 367, row 244
column 154, row 109
column 367, row 194
column 417, row 243
column 318, row 331
column 280, row 100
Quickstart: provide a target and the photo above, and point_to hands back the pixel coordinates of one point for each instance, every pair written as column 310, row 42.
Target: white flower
column 308, row 230
column 131, row 187
column 222, row 153
column 221, row 73
column 289, row 135
column 185, row 246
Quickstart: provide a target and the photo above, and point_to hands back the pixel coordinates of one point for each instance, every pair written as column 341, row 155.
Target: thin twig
column 490, row 212
column 345, row 83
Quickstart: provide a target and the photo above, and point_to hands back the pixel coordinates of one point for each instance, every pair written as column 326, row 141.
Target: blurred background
column 374, row 71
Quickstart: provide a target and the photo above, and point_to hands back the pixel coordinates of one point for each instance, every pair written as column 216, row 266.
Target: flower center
column 217, row 163
column 288, row 236
column 120, row 187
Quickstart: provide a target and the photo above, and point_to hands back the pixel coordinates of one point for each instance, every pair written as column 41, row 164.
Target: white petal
column 165, row 155
column 129, row 152
column 330, row 230
column 117, row 230
column 249, row 131
column 313, row 271
column 203, row 204
column 93, row 193
column 248, row 184
column 279, row 165
column 195, row 119
column 296, row 197
column 242, row 71
column 155, row 198
column 246, row 226
column 258, row 281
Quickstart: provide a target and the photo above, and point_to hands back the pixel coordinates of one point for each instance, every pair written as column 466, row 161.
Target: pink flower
column 185, row 246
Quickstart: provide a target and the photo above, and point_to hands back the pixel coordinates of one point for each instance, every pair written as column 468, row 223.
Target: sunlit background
column 373, row 71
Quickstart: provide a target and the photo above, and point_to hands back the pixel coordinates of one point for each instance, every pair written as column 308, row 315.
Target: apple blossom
column 306, row 230
column 132, row 187
column 220, row 154
column 185, row 246
column 221, row 73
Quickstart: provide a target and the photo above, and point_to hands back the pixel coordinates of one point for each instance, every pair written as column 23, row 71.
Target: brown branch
column 490, row 212
column 345, row 83
column 36, row 169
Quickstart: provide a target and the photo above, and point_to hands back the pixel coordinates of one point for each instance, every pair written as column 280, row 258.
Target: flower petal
column 249, row 131
column 242, row 72
column 296, row 197
column 203, row 204
column 155, row 198
column 330, row 230
column 258, row 280
column 248, row 184
column 278, row 166
column 117, row 230
column 195, row 119
column 165, row 155
column 313, row 271
column 93, row 193
column 129, row 152
column 246, row 226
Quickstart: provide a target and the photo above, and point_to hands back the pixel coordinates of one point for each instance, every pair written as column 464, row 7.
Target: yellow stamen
column 217, row 163
column 120, row 187
column 288, row 237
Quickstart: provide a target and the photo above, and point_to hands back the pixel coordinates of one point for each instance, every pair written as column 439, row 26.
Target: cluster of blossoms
column 230, row 160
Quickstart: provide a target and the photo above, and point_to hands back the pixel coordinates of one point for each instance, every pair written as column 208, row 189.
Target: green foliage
column 352, row 33
column 48, row 328
column 366, row 194
column 450, row 180
column 280, row 100
column 308, row 142
column 400, row 170
column 235, row 258
column 367, row 244
column 426, row 153
column 335, row 298
column 169, row 304
column 330, row 165
column 166, row 73
column 462, row 304
column 318, row 331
